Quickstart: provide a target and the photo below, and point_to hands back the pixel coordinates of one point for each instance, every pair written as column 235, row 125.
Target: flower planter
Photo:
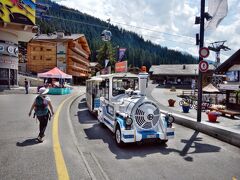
column 185, row 109
column 171, row 102
column 212, row 117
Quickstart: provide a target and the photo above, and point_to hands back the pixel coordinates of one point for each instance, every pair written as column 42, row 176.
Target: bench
column 230, row 112
column 225, row 111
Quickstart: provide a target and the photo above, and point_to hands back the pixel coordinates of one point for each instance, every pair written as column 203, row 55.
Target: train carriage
column 119, row 101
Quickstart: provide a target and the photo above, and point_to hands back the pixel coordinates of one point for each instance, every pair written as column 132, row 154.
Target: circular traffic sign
column 203, row 66
column 204, row 52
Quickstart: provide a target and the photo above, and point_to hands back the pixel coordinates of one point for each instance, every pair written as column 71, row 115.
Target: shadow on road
column 28, row 142
column 98, row 131
column 193, row 143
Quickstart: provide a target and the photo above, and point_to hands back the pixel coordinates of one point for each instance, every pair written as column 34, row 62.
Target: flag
column 218, row 10
column 106, row 62
column 121, row 53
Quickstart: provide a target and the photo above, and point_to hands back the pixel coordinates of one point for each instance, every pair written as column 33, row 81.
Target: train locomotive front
column 140, row 119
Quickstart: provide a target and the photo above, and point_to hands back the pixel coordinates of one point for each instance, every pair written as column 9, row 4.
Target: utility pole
column 201, row 42
column 217, row 47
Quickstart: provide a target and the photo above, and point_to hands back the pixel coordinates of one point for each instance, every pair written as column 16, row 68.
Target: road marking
column 60, row 163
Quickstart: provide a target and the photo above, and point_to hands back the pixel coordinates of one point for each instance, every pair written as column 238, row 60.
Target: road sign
column 203, row 66
column 204, row 52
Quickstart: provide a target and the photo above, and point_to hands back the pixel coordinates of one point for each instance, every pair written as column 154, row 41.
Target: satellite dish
column 106, row 35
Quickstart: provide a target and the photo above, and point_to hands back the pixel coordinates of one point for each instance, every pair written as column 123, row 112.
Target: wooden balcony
column 79, row 69
column 80, row 60
column 78, row 49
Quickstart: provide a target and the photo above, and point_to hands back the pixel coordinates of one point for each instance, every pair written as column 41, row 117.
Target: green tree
column 106, row 51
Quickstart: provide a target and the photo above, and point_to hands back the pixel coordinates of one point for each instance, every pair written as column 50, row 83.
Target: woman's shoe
column 39, row 139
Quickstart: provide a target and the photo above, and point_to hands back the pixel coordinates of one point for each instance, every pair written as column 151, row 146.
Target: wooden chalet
column 231, row 68
column 69, row 52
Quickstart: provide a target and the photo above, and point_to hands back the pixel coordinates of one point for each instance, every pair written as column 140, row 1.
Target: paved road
column 191, row 155
column 21, row 156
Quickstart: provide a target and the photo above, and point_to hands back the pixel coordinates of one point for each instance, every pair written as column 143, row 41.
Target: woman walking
column 40, row 106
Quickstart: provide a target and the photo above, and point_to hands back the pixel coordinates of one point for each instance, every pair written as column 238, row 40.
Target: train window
column 122, row 84
column 106, row 91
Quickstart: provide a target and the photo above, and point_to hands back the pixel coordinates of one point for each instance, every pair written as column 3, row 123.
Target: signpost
column 204, row 52
column 121, row 66
column 201, row 42
column 203, row 66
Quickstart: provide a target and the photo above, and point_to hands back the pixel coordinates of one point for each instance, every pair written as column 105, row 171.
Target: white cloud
column 169, row 16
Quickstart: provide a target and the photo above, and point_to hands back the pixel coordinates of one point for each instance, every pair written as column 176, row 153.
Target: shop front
column 8, row 63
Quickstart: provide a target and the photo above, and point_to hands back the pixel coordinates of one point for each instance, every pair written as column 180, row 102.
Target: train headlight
column 129, row 121
column 169, row 119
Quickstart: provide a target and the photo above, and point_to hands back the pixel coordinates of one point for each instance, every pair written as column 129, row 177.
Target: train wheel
column 161, row 141
column 118, row 137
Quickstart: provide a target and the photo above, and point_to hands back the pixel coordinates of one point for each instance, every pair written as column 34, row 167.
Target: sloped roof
column 54, row 37
column 234, row 59
column 176, row 69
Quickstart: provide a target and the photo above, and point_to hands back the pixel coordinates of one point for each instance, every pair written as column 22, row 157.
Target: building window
column 49, row 49
column 41, row 49
column 34, row 58
column 3, row 73
column 233, row 98
column 48, row 59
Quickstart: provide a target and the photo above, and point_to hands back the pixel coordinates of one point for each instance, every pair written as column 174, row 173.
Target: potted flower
column 212, row 115
column 171, row 102
column 185, row 107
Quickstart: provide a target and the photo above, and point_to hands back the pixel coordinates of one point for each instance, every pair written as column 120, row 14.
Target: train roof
column 107, row 76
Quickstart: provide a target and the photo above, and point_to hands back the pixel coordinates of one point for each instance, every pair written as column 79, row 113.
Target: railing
column 189, row 92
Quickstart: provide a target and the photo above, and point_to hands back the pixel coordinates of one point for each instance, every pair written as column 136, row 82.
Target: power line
column 90, row 24
column 144, row 28
column 95, row 25
column 153, row 30
column 170, row 40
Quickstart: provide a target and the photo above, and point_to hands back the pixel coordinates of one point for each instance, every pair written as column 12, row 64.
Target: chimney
column 184, row 66
column 143, row 82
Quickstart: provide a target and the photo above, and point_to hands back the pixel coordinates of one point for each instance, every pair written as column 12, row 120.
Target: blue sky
column 169, row 23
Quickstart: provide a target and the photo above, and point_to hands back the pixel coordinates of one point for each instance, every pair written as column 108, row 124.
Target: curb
column 219, row 133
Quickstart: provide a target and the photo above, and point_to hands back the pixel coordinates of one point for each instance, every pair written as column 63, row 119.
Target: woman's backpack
column 41, row 107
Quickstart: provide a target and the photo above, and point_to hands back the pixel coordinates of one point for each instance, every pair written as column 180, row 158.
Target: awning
column 54, row 73
column 210, row 88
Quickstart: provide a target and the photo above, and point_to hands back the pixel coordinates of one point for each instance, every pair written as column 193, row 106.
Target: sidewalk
column 33, row 90
column 18, row 90
column 225, row 129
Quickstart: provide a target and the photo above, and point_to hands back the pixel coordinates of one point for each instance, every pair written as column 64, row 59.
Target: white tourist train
column 119, row 101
